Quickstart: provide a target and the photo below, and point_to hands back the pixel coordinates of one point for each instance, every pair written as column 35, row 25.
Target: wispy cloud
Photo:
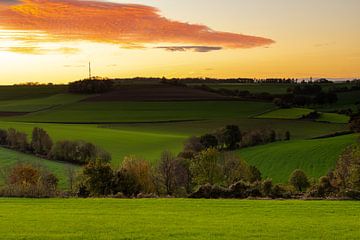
column 190, row 48
column 129, row 25
column 39, row 50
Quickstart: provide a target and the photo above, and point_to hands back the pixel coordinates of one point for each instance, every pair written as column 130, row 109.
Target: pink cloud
column 124, row 24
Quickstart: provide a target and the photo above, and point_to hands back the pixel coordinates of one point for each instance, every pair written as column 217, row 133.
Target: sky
column 53, row 40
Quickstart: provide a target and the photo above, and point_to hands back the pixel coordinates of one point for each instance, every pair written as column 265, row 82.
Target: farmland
column 185, row 219
column 315, row 157
column 122, row 125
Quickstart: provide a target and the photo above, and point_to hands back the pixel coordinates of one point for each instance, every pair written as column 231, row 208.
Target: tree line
column 199, row 171
column 41, row 144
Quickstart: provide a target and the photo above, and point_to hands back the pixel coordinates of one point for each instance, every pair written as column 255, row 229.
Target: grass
column 119, row 143
column 28, row 92
column 297, row 113
column 146, row 111
column 36, row 104
column 286, row 113
column 279, row 160
column 333, row 118
column 177, row 219
column 299, row 129
column 9, row 158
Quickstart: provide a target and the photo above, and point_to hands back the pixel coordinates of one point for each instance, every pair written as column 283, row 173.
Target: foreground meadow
column 177, row 219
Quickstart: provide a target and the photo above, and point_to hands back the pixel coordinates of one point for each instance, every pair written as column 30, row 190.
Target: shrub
column 98, row 178
column 280, row 191
column 78, row 152
column 41, row 142
column 299, row 180
column 25, row 180
column 140, row 171
column 229, row 136
column 17, row 140
column 235, row 169
column 209, row 141
column 355, row 125
column 3, row 137
column 207, row 167
column 267, row 186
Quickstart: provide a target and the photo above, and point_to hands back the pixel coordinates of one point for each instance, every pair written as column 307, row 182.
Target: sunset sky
column 53, row 40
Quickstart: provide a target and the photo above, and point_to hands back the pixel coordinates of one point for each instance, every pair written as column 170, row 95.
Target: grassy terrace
column 315, row 157
column 177, row 219
column 8, row 158
column 112, row 112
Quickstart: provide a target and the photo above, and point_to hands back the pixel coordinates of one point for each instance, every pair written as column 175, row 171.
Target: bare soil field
column 156, row 93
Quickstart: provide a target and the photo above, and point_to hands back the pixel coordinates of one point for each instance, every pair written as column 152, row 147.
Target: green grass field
column 286, row 113
column 119, row 143
column 297, row 113
column 98, row 112
column 9, row 158
column 280, row 159
column 36, row 104
column 177, row 219
column 333, row 118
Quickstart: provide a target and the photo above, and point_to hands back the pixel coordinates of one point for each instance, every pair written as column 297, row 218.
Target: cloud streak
column 200, row 49
column 128, row 25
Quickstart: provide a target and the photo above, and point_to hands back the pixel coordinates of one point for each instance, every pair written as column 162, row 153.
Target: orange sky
column 52, row 40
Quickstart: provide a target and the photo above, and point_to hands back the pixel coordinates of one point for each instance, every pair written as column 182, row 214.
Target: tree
column 235, row 169
column 299, row 180
column 174, row 173
column 98, row 178
column 347, row 170
column 232, row 136
column 17, row 140
column 355, row 125
column 41, row 142
column 166, row 170
column 141, row 172
column 3, row 137
column 207, row 167
column 209, row 141
column 287, row 136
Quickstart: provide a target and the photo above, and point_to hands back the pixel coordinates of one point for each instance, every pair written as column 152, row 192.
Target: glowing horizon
column 52, row 40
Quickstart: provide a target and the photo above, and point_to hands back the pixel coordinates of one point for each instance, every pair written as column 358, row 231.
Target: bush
column 97, row 178
column 209, row 141
column 323, row 189
column 267, row 186
column 3, row 137
column 280, row 191
column 207, row 167
column 209, row 191
column 235, row 169
column 299, row 180
column 17, row 140
column 78, row 152
column 355, row 125
column 25, row 180
column 229, row 137
column 41, row 142
column 140, row 172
